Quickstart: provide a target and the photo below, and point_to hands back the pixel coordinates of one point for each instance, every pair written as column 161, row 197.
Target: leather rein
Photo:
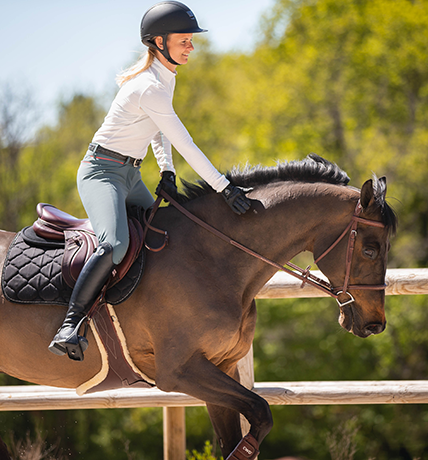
column 302, row 274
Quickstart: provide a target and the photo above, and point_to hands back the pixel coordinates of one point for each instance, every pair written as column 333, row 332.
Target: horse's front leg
column 201, row 379
column 227, row 426
column 226, row 423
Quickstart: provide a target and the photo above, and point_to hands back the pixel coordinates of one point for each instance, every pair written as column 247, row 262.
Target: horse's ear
column 367, row 194
column 382, row 182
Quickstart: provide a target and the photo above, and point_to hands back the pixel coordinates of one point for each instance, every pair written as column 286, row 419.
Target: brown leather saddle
column 81, row 242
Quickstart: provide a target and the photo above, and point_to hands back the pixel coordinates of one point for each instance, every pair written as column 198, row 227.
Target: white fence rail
column 23, row 398
column 399, row 282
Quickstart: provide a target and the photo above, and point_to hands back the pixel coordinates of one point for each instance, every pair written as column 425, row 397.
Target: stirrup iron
column 75, row 345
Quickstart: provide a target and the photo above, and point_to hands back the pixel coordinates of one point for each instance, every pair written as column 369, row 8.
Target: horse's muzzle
column 349, row 322
column 374, row 328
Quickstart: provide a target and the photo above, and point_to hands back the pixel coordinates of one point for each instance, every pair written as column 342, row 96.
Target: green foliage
column 94, row 434
column 44, row 170
column 342, row 443
column 38, row 449
column 207, row 453
column 50, row 165
column 348, row 80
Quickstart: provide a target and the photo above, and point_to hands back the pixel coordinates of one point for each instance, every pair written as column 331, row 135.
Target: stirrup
column 75, row 345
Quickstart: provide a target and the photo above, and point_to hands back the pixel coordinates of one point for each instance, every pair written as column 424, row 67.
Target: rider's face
column 179, row 47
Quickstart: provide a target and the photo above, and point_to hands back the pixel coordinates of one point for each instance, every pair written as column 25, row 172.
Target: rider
column 109, row 176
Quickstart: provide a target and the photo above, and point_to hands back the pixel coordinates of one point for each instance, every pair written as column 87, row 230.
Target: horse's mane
column 311, row 169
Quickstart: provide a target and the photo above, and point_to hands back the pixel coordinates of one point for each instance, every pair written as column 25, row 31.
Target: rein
column 302, row 274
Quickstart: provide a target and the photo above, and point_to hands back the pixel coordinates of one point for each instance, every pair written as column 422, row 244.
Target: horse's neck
column 299, row 217
column 285, row 219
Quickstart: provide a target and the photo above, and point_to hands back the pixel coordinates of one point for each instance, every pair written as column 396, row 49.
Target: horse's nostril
column 375, row 328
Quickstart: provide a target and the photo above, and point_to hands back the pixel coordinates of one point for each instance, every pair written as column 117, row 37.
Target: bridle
column 302, row 274
column 352, row 228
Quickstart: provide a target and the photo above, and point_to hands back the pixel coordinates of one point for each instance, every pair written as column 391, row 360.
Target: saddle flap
column 135, row 246
column 79, row 246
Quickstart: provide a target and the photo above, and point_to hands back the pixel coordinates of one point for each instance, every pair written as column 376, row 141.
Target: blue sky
column 55, row 48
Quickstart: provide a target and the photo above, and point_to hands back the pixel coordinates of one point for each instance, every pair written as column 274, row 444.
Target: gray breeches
column 106, row 188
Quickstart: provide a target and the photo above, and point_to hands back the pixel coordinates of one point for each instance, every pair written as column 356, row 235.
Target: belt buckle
column 136, row 162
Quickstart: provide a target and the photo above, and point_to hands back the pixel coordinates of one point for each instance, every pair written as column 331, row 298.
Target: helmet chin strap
column 165, row 52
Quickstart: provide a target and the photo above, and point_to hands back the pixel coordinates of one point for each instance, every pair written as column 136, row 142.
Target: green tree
column 49, row 165
column 43, row 169
column 353, row 81
column 17, row 116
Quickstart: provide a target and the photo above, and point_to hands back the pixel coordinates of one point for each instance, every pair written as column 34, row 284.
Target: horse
column 193, row 315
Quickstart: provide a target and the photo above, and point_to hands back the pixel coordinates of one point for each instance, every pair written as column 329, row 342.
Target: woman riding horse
column 189, row 337
column 109, row 176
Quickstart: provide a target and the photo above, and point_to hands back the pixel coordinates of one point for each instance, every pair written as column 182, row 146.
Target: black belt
column 96, row 148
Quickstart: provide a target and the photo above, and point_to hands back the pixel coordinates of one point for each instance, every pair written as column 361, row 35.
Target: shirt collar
column 165, row 73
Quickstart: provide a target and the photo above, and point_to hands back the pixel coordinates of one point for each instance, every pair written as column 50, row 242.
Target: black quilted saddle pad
column 32, row 275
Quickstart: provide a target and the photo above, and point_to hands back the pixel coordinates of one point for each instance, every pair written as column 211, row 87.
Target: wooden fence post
column 246, row 373
column 174, row 433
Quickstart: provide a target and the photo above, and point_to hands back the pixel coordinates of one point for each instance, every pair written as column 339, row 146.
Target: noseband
column 303, row 274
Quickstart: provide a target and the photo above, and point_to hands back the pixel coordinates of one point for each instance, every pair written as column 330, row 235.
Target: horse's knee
column 261, row 420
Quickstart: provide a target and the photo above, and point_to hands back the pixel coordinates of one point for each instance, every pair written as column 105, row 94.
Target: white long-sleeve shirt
column 142, row 113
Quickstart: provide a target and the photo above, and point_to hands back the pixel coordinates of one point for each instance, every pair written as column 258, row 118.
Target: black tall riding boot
column 91, row 280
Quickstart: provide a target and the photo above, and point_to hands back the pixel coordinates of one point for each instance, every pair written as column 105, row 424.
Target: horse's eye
column 370, row 253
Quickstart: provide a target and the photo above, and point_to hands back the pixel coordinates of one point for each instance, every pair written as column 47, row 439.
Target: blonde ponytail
column 141, row 65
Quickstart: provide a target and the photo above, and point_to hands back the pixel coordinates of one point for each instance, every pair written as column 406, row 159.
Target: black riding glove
column 236, row 199
column 167, row 183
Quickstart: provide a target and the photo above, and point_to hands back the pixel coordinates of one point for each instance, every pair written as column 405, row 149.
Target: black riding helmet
column 167, row 18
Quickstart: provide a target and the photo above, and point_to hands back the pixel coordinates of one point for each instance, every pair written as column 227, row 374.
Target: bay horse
column 193, row 315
